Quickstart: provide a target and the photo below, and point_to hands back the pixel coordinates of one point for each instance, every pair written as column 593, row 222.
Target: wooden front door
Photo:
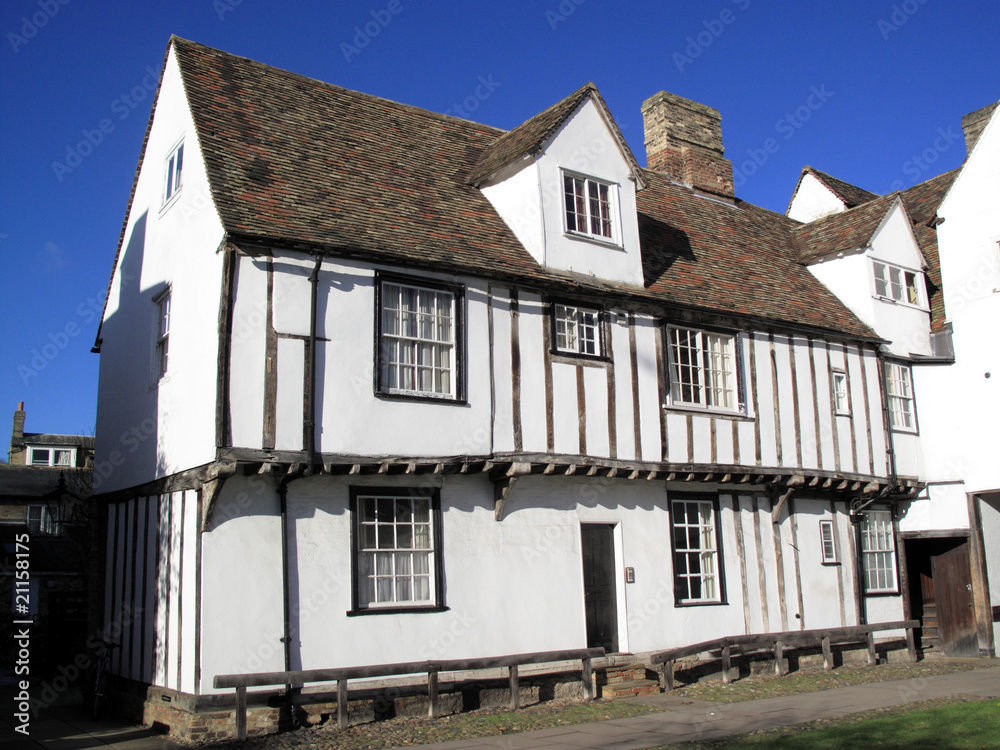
column 956, row 615
column 599, row 594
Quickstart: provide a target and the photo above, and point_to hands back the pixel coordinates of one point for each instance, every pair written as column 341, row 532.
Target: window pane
column 40, row 456
column 395, row 526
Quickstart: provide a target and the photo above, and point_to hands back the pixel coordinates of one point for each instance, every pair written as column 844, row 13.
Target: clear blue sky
column 895, row 78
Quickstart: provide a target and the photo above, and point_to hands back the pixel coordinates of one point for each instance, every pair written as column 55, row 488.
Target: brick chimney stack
column 684, row 139
column 16, row 455
column 973, row 124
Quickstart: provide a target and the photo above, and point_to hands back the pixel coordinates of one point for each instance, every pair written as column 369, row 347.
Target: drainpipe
column 286, row 639
column 310, row 422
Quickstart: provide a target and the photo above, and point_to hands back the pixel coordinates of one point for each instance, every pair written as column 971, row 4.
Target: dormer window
column 897, row 284
column 590, row 206
column 50, row 456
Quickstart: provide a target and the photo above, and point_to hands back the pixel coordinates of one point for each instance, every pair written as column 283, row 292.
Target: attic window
column 175, row 164
column 589, row 206
column 897, row 284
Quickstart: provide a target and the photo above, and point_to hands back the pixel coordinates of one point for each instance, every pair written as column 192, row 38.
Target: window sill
column 604, row 242
column 891, row 301
column 421, row 397
column 171, row 200
column 578, row 358
column 830, row 563
column 719, row 413
column 397, row 610
column 701, row 604
column 873, row 594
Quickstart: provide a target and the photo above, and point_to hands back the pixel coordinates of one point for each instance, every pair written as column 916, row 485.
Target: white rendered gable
column 529, row 196
column 814, row 200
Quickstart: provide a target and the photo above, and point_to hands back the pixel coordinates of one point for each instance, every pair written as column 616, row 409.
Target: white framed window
column 879, row 552
column 590, row 207
column 827, row 543
column 841, row 398
column 703, row 369
column 696, row 553
column 161, row 335
column 578, row 330
column 174, row 170
column 396, row 560
column 899, row 391
column 898, row 284
column 51, row 456
column 41, row 521
column 418, row 341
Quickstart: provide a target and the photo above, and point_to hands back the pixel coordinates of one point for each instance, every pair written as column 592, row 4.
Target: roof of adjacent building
column 295, row 162
column 850, row 195
column 842, row 232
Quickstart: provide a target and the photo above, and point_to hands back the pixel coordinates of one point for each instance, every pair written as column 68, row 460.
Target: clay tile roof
column 297, row 162
column 849, row 230
column 922, row 201
column 850, row 194
column 530, row 136
column 735, row 258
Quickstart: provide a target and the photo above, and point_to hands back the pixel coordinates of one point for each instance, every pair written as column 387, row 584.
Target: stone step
column 630, row 689
column 623, row 673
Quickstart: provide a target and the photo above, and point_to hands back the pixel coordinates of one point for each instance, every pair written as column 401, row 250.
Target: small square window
column 828, row 545
column 589, row 206
column 841, row 397
column 172, row 179
column 578, row 330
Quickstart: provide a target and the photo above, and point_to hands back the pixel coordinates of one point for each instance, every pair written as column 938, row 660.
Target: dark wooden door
column 953, row 599
column 599, row 595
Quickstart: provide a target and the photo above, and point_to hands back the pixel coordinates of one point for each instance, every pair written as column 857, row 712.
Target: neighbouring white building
column 383, row 385
column 922, row 268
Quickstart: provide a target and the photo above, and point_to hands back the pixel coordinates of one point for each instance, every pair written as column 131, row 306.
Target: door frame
column 621, row 613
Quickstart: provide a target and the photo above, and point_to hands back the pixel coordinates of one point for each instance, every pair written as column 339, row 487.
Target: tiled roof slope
column 294, row 160
column 850, row 194
column 923, row 200
column 737, row 258
column 529, row 136
column 841, row 232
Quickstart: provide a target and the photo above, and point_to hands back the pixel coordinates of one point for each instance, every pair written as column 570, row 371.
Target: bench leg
column 342, row 704
column 827, row 654
column 515, row 688
column 588, row 680
column 241, row 713
column 726, row 662
column 432, row 694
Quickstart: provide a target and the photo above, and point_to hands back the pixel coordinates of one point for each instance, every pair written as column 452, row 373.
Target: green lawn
column 973, row 725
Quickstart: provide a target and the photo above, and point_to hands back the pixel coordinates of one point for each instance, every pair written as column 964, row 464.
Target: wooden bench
column 431, row 668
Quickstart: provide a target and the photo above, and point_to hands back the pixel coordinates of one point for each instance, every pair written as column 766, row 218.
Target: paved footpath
column 685, row 721
column 68, row 728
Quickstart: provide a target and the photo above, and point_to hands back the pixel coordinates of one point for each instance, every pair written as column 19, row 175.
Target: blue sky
column 872, row 92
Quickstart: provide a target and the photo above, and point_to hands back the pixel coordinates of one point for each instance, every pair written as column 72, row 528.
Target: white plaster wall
column 584, row 145
column 241, row 606
column 144, row 431
column 847, row 278
column 515, row 193
column 595, row 387
column 532, row 322
column 939, row 507
column 969, row 249
column 248, row 344
column 813, row 200
column 503, row 398
column 624, row 408
column 565, row 410
column 646, row 332
column 823, row 589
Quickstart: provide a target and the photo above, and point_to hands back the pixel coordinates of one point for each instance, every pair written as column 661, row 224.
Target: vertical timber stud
column 588, row 680
column 342, row 703
column 515, row 688
column 241, row 712
column 432, row 692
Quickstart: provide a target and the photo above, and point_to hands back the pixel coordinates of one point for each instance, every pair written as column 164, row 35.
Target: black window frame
column 437, row 536
column 603, row 335
column 713, row 498
column 458, row 291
